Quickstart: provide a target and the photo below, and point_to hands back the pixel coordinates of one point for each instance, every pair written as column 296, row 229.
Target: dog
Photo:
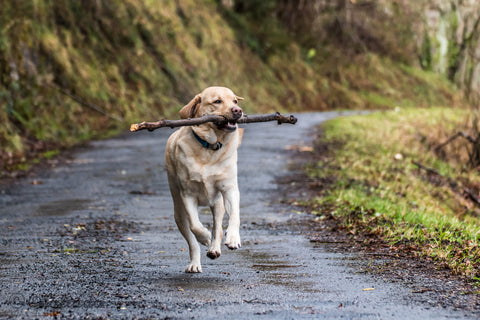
column 201, row 163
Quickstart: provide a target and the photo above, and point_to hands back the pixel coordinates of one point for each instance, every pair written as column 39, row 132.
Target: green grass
column 377, row 189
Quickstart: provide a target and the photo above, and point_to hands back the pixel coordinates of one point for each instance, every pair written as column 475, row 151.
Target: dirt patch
column 111, row 228
column 430, row 281
column 33, row 164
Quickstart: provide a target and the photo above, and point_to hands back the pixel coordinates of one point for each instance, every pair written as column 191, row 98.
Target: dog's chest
column 207, row 184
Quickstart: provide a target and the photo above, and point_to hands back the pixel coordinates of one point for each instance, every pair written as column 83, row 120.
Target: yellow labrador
column 201, row 163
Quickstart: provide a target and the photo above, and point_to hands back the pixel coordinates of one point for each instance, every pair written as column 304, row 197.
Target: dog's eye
column 235, row 101
column 217, row 101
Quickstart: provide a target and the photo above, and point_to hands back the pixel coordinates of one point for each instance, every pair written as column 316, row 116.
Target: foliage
column 133, row 60
column 381, row 27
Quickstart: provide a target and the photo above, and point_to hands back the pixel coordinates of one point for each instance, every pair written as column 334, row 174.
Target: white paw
column 232, row 240
column 193, row 268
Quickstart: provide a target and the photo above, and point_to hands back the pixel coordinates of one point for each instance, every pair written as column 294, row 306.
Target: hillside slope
column 76, row 70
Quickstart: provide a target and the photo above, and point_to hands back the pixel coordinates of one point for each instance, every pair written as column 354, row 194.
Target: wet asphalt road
column 95, row 238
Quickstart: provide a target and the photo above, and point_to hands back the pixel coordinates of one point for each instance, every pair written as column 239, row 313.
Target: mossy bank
column 72, row 71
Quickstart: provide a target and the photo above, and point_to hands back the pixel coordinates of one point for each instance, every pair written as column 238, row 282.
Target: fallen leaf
column 421, row 290
column 306, row 149
column 299, row 148
column 180, row 289
column 368, row 289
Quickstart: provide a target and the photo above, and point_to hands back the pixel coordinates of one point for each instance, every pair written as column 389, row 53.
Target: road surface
column 95, row 238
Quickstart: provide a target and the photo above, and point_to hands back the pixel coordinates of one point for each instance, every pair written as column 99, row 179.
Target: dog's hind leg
column 201, row 233
column 181, row 219
column 218, row 211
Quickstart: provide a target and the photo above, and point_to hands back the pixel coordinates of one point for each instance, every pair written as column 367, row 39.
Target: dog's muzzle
column 231, row 124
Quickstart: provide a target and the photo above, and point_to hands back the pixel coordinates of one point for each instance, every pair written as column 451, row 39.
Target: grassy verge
column 369, row 182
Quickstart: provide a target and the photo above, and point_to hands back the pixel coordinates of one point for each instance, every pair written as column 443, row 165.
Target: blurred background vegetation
column 74, row 70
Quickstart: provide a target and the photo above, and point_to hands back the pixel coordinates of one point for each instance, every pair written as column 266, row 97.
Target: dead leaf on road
column 299, row 148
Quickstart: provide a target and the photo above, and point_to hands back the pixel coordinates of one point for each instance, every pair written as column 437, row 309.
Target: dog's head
column 218, row 101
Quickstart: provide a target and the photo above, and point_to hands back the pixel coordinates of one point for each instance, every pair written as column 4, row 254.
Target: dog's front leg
column 232, row 206
column 218, row 211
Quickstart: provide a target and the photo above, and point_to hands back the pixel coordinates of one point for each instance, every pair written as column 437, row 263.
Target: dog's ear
column 239, row 98
column 188, row 111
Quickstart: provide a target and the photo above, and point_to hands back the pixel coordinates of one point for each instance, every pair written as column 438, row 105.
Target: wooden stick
column 150, row 126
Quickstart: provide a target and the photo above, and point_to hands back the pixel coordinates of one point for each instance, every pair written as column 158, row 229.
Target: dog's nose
column 237, row 112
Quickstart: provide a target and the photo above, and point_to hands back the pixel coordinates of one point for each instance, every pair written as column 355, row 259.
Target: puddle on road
column 124, row 175
column 292, row 281
column 62, row 207
column 191, row 283
column 274, row 270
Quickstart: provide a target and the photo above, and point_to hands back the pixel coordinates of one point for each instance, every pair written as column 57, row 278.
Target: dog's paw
column 232, row 240
column 193, row 268
column 214, row 254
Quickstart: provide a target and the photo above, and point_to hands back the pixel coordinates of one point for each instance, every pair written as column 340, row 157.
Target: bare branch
column 472, row 195
column 452, row 138
column 83, row 102
column 429, row 170
column 150, row 126
column 454, row 185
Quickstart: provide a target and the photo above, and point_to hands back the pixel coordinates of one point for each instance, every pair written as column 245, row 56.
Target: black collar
column 205, row 144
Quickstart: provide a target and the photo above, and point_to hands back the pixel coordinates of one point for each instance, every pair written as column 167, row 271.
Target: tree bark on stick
column 150, row 126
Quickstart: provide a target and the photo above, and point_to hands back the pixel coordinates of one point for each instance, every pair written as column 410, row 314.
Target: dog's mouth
column 228, row 125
